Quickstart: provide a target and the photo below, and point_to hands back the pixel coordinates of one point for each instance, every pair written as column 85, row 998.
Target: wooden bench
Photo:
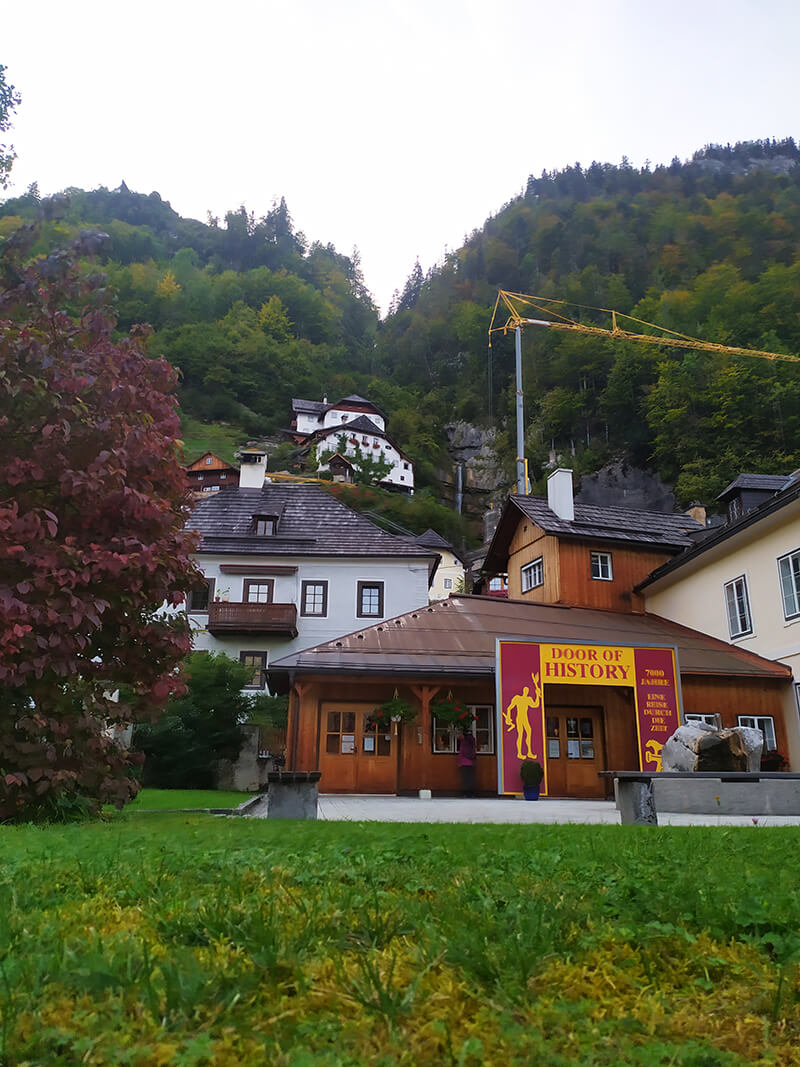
column 636, row 801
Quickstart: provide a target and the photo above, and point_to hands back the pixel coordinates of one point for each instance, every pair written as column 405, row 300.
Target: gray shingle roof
column 363, row 424
column 772, row 483
column 612, row 524
column 312, row 523
column 431, row 539
column 310, row 407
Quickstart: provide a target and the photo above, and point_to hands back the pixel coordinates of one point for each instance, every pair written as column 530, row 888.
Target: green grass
column 192, row 940
column 172, row 799
column 217, row 437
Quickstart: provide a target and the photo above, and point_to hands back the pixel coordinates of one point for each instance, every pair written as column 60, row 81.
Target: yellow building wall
column 695, row 596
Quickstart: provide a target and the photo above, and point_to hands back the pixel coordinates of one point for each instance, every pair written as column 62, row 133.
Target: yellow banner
column 587, row 665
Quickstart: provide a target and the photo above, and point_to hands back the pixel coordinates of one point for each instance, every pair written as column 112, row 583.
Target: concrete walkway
column 347, row 808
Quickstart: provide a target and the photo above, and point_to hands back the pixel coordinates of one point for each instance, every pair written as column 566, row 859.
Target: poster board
column 524, row 668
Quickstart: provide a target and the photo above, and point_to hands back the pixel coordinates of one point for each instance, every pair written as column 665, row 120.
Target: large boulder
column 699, row 747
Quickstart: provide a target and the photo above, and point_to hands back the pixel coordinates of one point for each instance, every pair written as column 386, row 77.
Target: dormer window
column 265, row 525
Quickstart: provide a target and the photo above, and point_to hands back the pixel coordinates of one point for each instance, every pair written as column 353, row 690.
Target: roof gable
column 650, row 529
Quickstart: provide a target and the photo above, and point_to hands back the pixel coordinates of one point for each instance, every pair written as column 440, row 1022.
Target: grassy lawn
column 218, row 437
column 191, row 940
column 172, row 799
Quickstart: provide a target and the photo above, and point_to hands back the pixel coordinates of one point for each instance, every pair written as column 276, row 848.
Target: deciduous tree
column 92, row 508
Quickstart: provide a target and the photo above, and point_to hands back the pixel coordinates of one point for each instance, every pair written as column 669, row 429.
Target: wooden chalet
column 450, row 648
column 209, row 473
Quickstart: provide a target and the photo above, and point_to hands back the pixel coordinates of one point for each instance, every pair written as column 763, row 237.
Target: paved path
column 502, row 810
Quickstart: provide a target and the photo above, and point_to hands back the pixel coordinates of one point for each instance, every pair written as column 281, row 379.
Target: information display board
column 525, row 667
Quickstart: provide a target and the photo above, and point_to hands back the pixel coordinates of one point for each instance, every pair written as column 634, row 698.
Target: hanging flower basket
column 394, row 710
column 454, row 711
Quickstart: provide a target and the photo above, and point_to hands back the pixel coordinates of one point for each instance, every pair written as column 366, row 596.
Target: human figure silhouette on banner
column 523, row 704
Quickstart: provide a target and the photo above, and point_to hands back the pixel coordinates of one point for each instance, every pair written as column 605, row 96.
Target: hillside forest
column 253, row 313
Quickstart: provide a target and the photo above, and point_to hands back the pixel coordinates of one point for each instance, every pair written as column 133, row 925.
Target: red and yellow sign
column 524, row 668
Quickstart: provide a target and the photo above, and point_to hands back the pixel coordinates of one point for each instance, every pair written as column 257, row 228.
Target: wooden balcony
column 228, row 618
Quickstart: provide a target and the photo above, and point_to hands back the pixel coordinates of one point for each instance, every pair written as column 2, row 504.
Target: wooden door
column 355, row 757
column 575, row 748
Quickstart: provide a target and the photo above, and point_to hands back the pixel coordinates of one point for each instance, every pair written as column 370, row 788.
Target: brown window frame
column 314, row 614
column 258, row 581
column 263, row 657
column 360, row 600
column 190, row 609
column 269, row 524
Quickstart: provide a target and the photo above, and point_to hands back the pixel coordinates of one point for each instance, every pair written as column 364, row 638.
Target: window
column 448, row 583
column 445, row 734
column 601, row 566
column 766, row 724
column 532, row 575
column 710, row 720
column 208, row 461
column 738, row 605
column 340, row 734
column 789, row 569
column 264, row 525
column 223, row 477
column 199, row 599
column 369, row 600
column 314, row 598
column 258, row 592
column 257, row 662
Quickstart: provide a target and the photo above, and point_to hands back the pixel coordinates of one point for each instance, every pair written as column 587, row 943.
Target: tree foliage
column 198, row 729
column 9, row 100
column 92, row 507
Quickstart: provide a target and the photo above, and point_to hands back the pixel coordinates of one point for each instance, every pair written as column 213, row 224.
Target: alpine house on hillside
column 287, row 566
column 354, row 427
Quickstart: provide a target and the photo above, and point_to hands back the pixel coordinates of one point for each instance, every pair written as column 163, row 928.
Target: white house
column 352, row 427
column 741, row 583
column 288, row 566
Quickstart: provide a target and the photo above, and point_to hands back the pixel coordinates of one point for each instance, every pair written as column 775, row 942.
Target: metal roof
column 312, row 523
column 310, row 407
column 457, row 637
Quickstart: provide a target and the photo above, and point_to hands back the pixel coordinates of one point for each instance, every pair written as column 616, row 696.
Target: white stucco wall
column 695, row 596
column 402, row 472
column 405, row 588
column 339, row 415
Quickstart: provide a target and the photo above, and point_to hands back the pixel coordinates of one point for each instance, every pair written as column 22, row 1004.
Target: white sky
column 396, row 127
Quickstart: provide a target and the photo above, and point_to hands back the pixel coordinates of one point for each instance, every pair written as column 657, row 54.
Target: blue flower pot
column 530, row 792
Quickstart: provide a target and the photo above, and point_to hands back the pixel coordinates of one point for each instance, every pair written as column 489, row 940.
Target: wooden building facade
column 449, row 648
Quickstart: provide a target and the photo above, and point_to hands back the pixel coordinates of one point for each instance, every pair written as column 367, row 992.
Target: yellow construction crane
column 515, row 303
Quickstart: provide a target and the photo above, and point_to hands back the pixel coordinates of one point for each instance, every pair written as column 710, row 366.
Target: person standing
column 466, row 763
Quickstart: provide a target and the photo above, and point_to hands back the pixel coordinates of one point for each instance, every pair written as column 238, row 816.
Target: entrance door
column 354, row 756
column 575, row 752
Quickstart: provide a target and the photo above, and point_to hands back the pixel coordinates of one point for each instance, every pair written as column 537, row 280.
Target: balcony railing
column 225, row 617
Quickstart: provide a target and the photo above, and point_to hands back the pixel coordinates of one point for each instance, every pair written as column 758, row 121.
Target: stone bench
column 290, row 795
column 641, row 793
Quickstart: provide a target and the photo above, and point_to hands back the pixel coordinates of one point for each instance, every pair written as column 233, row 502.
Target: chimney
column 559, row 494
column 253, row 467
column 697, row 512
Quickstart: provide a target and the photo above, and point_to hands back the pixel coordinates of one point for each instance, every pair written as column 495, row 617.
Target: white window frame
column 764, row 723
column 734, row 602
column 696, row 716
column 601, row 561
column 451, row 746
column 532, row 575
column 792, row 560
column 448, row 583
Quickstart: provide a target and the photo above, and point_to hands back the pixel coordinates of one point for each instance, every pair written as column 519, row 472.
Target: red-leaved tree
column 92, row 507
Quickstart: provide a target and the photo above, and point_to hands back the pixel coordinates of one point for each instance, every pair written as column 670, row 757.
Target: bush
column 183, row 748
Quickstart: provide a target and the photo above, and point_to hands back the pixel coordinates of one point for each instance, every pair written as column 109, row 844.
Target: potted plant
column 531, row 772
column 451, row 710
column 394, row 710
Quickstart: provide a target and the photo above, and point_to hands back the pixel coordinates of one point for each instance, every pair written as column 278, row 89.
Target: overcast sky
column 393, row 127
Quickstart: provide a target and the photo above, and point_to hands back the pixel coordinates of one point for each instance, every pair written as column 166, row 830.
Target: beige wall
column 694, row 596
column 451, row 568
